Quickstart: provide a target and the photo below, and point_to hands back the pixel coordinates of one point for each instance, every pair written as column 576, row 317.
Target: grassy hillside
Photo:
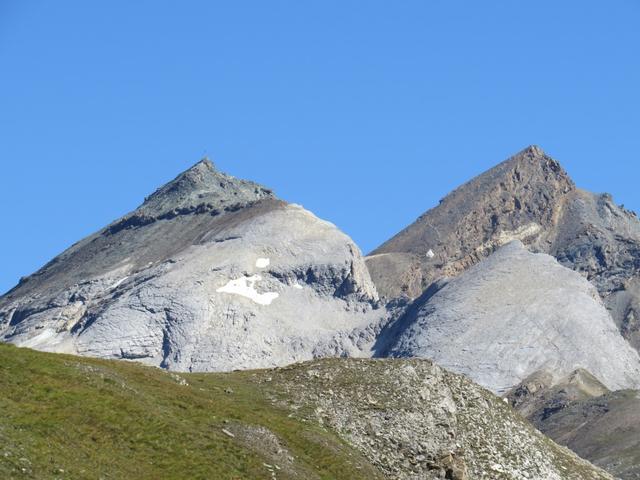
column 66, row 417
column 70, row 418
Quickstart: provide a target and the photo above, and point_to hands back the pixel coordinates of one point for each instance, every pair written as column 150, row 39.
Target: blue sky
column 366, row 112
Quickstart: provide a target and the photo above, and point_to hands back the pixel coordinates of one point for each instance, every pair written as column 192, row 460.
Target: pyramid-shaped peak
column 203, row 184
column 201, row 172
column 204, row 163
column 518, row 198
column 532, row 151
column 530, row 165
column 532, row 156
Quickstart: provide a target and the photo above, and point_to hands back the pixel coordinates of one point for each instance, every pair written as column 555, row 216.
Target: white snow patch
column 430, row 254
column 298, row 286
column 262, row 262
column 245, row 286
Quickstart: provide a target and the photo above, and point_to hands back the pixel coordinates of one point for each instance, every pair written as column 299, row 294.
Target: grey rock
column 578, row 412
column 511, row 315
column 543, row 392
column 529, row 198
column 601, row 240
column 210, row 273
column 413, row 420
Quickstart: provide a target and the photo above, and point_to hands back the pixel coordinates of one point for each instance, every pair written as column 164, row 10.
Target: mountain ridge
column 529, row 197
column 514, row 272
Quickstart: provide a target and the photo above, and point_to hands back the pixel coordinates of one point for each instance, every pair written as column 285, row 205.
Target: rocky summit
column 517, row 282
column 530, row 198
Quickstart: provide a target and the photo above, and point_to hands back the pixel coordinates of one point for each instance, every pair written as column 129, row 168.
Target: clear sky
column 366, row 112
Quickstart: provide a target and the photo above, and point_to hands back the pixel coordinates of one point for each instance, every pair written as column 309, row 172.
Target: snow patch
column 262, row 262
column 298, row 286
column 245, row 287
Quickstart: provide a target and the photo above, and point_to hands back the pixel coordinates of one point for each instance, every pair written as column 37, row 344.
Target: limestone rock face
column 511, row 315
column 542, row 392
column 210, row 273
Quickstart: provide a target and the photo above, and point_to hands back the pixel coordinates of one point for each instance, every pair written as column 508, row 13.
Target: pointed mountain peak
column 530, row 166
column 531, row 157
column 532, row 151
column 205, row 164
column 202, row 186
column 517, row 199
column 197, row 176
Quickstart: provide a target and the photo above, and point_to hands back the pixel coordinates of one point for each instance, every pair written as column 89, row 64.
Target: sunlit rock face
column 210, row 273
column 511, row 315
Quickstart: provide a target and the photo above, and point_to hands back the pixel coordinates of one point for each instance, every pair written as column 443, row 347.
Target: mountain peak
column 204, row 163
column 531, row 157
column 532, row 151
column 203, row 184
column 517, row 199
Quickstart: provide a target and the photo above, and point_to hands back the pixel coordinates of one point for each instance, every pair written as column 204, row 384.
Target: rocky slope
column 579, row 412
column 529, row 198
column 209, row 273
column 502, row 315
column 511, row 315
column 67, row 417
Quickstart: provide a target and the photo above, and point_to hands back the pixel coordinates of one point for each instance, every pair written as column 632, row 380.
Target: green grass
column 65, row 417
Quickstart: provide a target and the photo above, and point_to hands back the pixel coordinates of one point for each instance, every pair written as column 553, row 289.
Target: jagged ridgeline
column 517, row 279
